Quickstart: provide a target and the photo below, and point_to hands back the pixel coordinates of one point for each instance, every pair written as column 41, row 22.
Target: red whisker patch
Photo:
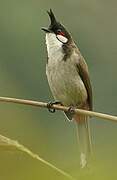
column 61, row 33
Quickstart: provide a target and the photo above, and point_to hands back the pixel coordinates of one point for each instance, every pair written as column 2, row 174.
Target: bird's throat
column 54, row 47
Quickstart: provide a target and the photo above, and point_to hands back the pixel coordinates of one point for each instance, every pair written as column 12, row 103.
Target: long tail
column 84, row 139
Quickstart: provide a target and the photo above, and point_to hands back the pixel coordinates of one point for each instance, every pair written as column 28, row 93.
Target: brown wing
column 84, row 74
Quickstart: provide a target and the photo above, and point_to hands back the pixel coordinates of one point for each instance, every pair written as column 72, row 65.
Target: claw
column 71, row 110
column 50, row 104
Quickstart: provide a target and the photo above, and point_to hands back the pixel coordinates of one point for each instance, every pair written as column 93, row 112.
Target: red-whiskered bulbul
column 69, row 81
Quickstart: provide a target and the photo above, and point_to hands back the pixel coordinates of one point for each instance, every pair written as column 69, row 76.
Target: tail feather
column 84, row 139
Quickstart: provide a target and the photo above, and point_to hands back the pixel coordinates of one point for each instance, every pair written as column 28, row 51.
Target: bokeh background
column 93, row 25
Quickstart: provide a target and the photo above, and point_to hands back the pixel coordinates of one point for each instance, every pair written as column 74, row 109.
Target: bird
column 69, row 81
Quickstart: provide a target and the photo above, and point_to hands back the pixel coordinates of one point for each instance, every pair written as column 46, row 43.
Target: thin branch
column 8, row 143
column 59, row 107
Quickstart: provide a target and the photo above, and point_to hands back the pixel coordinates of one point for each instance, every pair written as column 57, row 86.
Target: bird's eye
column 60, row 32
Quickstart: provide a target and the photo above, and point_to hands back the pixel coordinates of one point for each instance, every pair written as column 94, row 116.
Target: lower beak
column 46, row 30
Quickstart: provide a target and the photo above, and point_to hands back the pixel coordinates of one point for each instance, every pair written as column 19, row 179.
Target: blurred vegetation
column 93, row 25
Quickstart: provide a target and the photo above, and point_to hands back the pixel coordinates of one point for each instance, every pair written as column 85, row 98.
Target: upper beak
column 46, row 30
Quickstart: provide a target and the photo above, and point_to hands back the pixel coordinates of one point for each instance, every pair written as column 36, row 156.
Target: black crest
column 52, row 18
column 56, row 25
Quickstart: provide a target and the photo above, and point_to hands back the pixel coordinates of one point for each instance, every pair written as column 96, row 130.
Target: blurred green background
column 93, row 25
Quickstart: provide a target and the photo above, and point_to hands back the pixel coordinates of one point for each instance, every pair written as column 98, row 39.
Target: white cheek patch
column 62, row 38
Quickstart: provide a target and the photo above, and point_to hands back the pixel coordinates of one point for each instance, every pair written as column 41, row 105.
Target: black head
column 56, row 27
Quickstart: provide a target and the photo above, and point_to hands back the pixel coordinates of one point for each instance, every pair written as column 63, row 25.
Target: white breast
column 54, row 48
column 64, row 80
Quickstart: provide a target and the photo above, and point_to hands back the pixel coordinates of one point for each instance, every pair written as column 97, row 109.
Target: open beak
column 46, row 30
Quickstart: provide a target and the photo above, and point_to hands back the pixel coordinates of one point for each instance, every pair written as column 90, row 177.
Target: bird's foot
column 50, row 104
column 70, row 113
column 71, row 110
